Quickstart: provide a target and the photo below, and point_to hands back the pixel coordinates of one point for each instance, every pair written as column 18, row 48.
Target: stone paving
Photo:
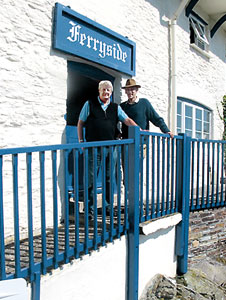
column 37, row 244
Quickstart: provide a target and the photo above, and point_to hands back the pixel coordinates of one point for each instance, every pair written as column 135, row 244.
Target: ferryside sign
column 82, row 37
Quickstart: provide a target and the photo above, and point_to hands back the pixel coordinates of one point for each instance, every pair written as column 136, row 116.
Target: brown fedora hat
column 131, row 83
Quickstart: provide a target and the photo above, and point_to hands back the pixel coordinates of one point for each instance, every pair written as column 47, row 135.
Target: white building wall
column 102, row 275
column 33, row 77
column 200, row 77
column 33, row 84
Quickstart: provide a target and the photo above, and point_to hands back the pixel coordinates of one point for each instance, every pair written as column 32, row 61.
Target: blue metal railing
column 207, row 186
column 151, row 175
column 159, row 175
column 85, row 239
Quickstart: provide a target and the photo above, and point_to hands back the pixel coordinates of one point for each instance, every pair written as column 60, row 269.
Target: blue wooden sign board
column 82, row 37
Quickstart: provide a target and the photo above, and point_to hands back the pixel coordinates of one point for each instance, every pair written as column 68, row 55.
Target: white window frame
column 194, row 130
column 200, row 30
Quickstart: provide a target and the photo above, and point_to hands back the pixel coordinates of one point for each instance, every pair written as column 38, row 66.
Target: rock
column 207, row 281
column 214, row 270
column 161, row 288
column 198, row 281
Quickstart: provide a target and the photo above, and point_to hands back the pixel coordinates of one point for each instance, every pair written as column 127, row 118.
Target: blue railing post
column 183, row 185
column 2, row 235
column 35, row 287
column 133, row 209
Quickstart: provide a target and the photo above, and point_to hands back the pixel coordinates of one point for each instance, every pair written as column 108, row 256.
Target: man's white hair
column 105, row 83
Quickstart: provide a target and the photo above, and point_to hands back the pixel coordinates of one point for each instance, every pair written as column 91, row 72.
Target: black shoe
column 115, row 212
column 90, row 216
column 100, row 211
column 108, row 212
column 71, row 220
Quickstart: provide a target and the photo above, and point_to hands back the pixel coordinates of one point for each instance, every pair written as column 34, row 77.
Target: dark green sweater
column 142, row 112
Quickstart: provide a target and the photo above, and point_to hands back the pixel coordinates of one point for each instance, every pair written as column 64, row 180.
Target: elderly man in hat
column 100, row 118
column 140, row 110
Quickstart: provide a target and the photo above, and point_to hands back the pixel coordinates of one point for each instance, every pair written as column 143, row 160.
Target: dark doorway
column 82, row 85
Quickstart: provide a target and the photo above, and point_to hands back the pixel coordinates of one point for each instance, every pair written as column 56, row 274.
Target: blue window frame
column 193, row 119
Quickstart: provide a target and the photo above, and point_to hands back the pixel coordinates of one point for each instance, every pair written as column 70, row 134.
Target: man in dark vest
column 100, row 118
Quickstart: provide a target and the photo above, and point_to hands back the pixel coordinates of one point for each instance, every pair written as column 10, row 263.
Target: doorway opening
column 82, row 85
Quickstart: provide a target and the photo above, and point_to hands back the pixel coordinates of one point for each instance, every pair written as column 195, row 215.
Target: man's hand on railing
column 171, row 134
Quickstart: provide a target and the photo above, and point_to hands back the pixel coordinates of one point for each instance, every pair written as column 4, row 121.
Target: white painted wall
column 33, row 82
column 33, row 77
column 33, row 85
column 13, row 289
column 98, row 276
column 157, row 249
column 102, row 275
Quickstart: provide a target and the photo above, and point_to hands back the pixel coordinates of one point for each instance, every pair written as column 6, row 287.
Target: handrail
column 4, row 151
column 166, row 176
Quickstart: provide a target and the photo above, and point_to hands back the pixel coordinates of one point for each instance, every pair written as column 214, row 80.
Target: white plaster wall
column 13, row 289
column 102, row 275
column 98, row 276
column 33, row 77
column 157, row 249
column 199, row 77
column 157, row 256
column 33, row 82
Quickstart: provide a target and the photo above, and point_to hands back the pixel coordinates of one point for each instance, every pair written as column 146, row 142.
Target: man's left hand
column 171, row 134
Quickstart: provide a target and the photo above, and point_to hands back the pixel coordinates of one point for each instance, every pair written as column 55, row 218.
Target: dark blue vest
column 101, row 125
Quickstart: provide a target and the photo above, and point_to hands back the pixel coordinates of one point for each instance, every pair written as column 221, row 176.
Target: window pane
column 188, row 132
column 194, row 120
column 188, row 123
column 178, row 130
column 206, row 136
column 200, row 29
column 206, row 127
column 198, row 135
column 179, row 121
column 188, row 111
column 179, row 105
column 198, row 114
column 206, row 116
column 198, row 125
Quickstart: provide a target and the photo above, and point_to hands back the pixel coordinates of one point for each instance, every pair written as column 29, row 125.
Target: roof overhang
column 215, row 9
